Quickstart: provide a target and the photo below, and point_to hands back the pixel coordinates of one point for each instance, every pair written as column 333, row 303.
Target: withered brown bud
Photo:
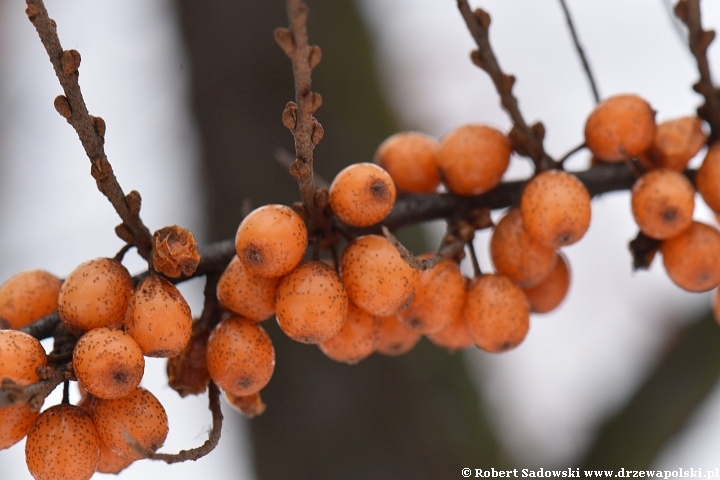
column 289, row 116
column 322, row 198
column 480, row 218
column 251, row 405
column 99, row 125
column 284, row 38
column 125, row 234
column 70, row 61
column 175, row 252
column 133, row 201
column 100, row 169
column 315, row 56
column 477, row 59
column 483, row 17
column 32, row 11
column 187, row 372
column 318, row 132
column 62, row 106
column 315, row 101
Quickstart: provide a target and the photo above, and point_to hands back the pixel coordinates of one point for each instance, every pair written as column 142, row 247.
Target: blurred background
column 623, row 374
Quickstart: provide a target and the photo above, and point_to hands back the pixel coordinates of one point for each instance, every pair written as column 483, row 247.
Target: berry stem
column 580, row 51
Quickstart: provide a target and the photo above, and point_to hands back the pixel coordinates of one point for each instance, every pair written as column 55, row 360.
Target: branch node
column 476, row 59
column 289, row 116
column 285, row 40
column 99, row 125
column 300, row 169
column 318, row 132
column 63, row 106
column 314, row 100
column 101, row 169
column 70, row 61
column 483, row 17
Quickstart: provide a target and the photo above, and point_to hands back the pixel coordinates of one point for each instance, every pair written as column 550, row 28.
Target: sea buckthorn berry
column 454, row 336
column 620, row 127
column 110, row 462
column 249, row 405
column 108, row 363
column 409, row 158
column 376, row 277
column 473, row 158
column 707, row 178
column 158, row 318
column 271, row 240
column 497, row 313
column 396, row 338
column 15, row 422
column 362, row 194
column 555, row 208
column 662, row 201
column 240, row 356
column 692, row 258
column 517, row 255
column 62, row 444
column 439, row 298
column 20, row 356
column 357, row 338
column 547, row 295
column 138, row 414
column 28, row 296
column 187, row 373
column 676, row 142
column 246, row 294
column 95, row 294
column 311, row 303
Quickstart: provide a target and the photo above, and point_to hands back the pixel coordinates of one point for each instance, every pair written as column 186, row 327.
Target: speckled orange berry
column 108, row 362
column 676, row 142
column 454, row 336
column 692, row 258
column 271, row 240
column 15, row 423
column 357, row 338
column 20, row 356
column 396, row 338
column 376, row 277
column 409, row 158
column 707, row 178
column 110, row 462
column 517, row 255
column 620, row 127
column 248, row 295
column 473, row 158
column 497, row 313
column 439, row 298
column 28, row 296
column 95, row 294
column 662, row 202
column 158, row 318
column 62, row 444
column 249, row 405
column 311, row 303
column 138, row 414
column 550, row 292
column 555, row 208
column 362, row 194
column 240, row 356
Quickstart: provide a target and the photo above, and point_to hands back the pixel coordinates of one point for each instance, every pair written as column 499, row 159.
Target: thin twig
column 688, row 11
column 298, row 115
column 474, row 259
column 44, row 327
column 286, row 159
column 34, row 395
column 571, row 153
column 198, row 452
column 581, row 53
column 90, row 130
column 526, row 140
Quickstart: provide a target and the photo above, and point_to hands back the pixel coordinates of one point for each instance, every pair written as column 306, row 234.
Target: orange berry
column 454, row 336
column 497, row 313
column 248, row 295
column 409, row 158
column 473, row 158
column 517, row 255
column 249, row 405
column 676, row 142
column 555, row 208
column 439, row 298
column 110, row 462
column 692, row 258
column 15, row 422
column 95, row 294
column 158, row 318
column 28, row 296
column 20, row 356
column 396, row 338
column 357, row 338
column 662, row 201
column 138, row 414
column 547, row 295
column 240, row 356
column 108, row 363
column 376, row 277
column 362, row 194
column 63, row 443
column 311, row 303
column 271, row 240
column 620, row 127
column 707, row 178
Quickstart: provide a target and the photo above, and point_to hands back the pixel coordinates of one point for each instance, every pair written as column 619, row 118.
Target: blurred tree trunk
column 416, row 416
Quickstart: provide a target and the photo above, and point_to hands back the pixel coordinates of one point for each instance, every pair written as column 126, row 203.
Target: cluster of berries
column 118, row 324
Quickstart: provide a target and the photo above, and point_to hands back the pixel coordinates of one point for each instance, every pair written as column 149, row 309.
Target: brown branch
column 580, row 51
column 286, row 159
column 298, row 115
column 90, row 130
column 34, row 395
column 44, row 327
column 194, row 453
column 688, row 11
column 526, row 140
